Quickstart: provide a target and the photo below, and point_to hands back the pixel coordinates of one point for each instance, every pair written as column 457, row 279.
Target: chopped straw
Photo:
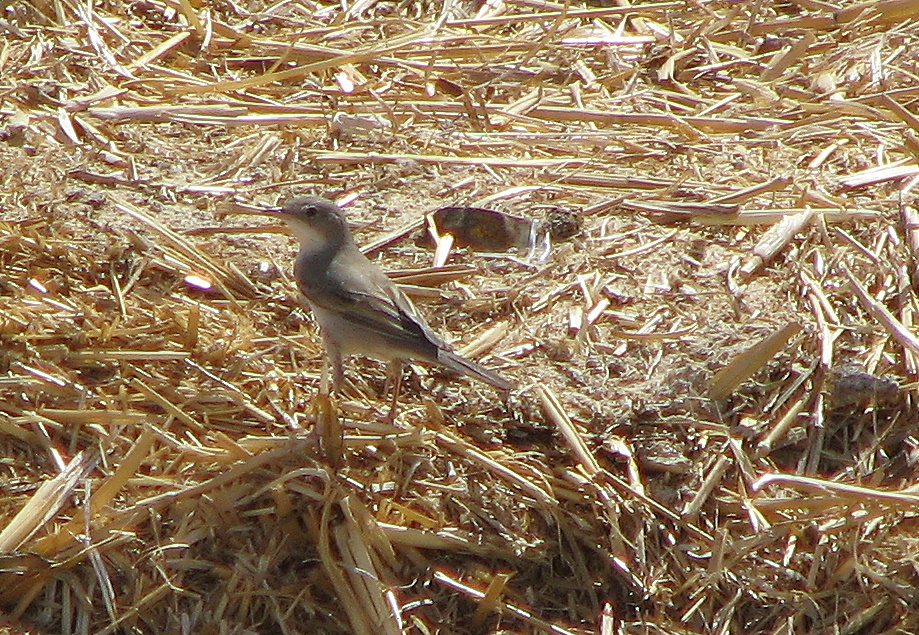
column 714, row 429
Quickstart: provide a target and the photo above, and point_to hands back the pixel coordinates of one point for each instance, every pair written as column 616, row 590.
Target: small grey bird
column 360, row 311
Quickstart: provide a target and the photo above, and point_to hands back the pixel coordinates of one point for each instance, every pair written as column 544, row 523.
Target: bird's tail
column 467, row 367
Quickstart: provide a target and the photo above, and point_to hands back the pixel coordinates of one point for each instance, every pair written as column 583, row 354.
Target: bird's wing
column 358, row 290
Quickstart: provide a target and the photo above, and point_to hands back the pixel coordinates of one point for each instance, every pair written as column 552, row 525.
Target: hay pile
column 715, row 428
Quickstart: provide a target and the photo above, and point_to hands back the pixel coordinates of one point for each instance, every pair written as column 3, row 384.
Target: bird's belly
column 353, row 339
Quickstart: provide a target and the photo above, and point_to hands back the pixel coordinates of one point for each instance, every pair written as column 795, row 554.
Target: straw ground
column 715, row 425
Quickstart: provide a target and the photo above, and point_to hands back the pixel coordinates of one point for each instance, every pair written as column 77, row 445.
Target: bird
column 359, row 309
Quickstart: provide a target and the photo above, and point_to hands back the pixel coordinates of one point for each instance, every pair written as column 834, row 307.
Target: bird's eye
column 309, row 211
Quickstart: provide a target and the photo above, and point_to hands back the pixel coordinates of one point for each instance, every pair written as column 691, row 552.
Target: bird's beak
column 235, row 208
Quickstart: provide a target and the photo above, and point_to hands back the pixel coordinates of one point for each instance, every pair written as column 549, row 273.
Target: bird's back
column 356, row 290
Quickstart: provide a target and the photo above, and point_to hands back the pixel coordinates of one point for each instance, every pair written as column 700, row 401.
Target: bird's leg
column 324, row 378
column 333, row 356
column 338, row 367
column 338, row 374
column 394, row 377
column 328, row 428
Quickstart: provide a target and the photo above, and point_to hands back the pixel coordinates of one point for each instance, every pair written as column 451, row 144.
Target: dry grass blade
column 63, row 535
column 165, row 112
column 44, row 504
column 436, row 159
column 671, row 211
column 853, row 494
column 509, row 609
column 774, row 185
column 555, row 412
column 441, row 541
column 515, row 479
column 787, row 57
column 167, row 405
column 160, row 50
column 218, row 275
column 373, row 611
column 432, row 276
column 775, row 240
column 748, row 362
column 709, row 483
column 880, row 174
column 884, row 317
column 485, row 341
column 781, row 427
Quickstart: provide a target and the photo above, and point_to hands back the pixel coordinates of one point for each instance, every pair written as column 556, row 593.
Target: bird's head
column 316, row 221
